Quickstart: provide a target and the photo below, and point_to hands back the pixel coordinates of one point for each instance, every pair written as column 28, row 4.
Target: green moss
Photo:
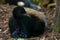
column 56, row 27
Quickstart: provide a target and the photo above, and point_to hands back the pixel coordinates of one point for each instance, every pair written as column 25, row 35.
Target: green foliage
column 43, row 2
column 1, row 1
column 37, row 2
column 52, row 4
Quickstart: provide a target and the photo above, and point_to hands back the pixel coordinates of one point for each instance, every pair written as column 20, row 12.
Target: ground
column 5, row 14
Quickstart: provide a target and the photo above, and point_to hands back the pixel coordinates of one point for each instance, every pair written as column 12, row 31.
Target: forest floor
column 6, row 13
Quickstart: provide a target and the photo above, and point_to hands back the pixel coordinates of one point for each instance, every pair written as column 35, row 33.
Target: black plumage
column 11, row 2
column 27, row 3
column 25, row 25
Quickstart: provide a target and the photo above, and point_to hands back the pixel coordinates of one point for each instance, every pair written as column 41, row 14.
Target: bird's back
column 35, row 26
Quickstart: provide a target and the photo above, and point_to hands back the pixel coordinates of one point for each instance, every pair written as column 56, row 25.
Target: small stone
column 21, row 39
column 0, row 30
column 1, row 38
column 1, row 10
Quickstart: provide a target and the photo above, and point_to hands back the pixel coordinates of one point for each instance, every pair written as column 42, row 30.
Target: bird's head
column 18, row 11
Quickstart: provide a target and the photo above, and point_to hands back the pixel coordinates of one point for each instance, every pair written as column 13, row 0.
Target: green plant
column 37, row 2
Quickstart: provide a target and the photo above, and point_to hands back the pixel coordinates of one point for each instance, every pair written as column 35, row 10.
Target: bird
column 25, row 3
column 11, row 2
column 29, row 4
column 25, row 25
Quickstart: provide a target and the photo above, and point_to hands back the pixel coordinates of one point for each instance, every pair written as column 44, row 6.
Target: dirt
column 6, row 13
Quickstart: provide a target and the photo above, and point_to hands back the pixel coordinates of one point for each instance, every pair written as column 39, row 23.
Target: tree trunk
column 57, row 17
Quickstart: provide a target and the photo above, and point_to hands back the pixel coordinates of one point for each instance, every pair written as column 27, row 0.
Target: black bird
column 11, row 2
column 25, row 3
column 29, row 4
column 23, row 25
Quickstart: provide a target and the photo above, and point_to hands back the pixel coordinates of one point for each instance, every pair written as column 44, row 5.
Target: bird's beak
column 20, row 3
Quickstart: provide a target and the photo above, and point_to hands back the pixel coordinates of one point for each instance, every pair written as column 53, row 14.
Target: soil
column 6, row 13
